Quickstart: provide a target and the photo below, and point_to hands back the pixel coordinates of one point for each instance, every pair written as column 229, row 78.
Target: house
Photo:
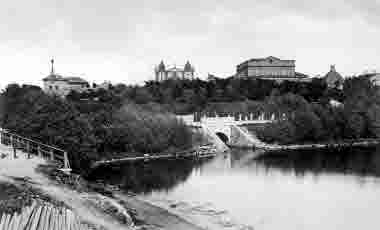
column 55, row 84
column 333, row 79
column 270, row 68
column 163, row 73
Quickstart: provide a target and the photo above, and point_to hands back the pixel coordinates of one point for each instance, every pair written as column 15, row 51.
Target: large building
column 271, row 68
column 163, row 73
column 55, row 84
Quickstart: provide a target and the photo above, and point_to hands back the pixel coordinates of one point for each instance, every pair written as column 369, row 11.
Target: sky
column 123, row 40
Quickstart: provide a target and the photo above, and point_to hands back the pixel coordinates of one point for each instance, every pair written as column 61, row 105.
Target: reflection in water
column 145, row 177
column 245, row 190
column 359, row 162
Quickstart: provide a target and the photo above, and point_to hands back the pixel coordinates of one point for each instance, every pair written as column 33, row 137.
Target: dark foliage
column 92, row 125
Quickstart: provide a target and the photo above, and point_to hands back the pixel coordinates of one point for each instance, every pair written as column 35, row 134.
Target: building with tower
column 55, row 84
column 163, row 73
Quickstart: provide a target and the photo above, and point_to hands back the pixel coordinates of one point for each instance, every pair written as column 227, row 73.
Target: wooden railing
column 32, row 147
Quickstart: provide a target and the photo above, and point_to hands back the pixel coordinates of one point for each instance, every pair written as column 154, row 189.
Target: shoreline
column 152, row 213
column 270, row 147
column 98, row 208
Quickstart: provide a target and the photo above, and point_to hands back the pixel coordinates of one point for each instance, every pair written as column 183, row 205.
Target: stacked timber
column 41, row 216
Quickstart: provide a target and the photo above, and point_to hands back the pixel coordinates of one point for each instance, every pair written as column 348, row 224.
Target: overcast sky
column 122, row 40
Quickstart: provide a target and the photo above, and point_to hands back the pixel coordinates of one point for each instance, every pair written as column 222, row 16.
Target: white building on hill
column 270, row 68
column 163, row 73
column 55, row 84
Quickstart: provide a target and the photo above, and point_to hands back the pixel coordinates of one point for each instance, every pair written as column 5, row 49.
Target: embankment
column 247, row 139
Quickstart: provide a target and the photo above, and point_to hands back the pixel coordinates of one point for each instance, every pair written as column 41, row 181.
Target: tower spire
column 52, row 66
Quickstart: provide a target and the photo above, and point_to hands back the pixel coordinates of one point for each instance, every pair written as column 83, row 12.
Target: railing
column 32, row 147
column 198, row 117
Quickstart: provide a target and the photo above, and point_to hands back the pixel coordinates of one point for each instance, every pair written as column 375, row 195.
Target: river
column 238, row 190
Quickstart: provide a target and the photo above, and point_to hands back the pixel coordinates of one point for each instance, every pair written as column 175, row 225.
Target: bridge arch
column 222, row 136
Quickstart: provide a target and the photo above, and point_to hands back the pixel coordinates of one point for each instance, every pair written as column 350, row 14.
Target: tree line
column 91, row 127
column 357, row 116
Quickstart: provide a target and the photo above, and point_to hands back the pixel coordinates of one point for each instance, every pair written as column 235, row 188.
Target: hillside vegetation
column 91, row 129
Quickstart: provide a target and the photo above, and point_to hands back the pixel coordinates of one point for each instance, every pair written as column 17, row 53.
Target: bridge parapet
column 222, row 124
column 239, row 117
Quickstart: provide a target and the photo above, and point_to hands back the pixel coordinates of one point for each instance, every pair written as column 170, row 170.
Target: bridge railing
column 197, row 117
column 32, row 147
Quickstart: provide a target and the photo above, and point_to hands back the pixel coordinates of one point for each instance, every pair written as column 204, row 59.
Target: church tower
column 188, row 71
column 161, row 72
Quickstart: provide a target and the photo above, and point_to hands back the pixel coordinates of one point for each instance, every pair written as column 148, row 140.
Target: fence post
column 51, row 155
column 66, row 160
column 39, row 151
column 13, row 146
column 28, row 149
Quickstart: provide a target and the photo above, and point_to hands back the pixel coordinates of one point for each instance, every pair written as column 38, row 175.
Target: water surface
column 238, row 190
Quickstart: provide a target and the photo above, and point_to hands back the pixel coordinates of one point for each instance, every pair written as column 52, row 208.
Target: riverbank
column 196, row 152
column 252, row 141
column 328, row 145
column 95, row 207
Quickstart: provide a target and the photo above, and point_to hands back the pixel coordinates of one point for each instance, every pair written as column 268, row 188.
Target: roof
column 71, row 80
column 301, row 75
column 53, row 77
column 175, row 69
column 262, row 59
column 75, row 80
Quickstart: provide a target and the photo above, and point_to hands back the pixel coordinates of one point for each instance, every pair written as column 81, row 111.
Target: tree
column 374, row 120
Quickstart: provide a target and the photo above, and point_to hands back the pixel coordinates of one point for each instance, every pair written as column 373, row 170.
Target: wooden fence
column 32, row 147
column 41, row 216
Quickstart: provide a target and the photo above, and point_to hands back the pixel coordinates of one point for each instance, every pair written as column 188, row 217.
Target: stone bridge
column 228, row 129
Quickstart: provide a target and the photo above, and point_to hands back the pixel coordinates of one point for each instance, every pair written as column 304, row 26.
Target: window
column 50, row 87
column 56, row 87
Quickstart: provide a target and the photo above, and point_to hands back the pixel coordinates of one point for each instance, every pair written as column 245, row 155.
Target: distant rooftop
column 57, row 77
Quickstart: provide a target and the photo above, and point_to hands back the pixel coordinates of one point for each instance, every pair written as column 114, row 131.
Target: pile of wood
column 41, row 216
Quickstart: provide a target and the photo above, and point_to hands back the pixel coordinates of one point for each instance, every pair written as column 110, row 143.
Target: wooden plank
column 28, row 219
column 2, row 220
column 16, row 221
column 54, row 222
column 68, row 220
column 42, row 218
column 45, row 218
column 48, row 225
column 67, row 223
column 10, row 224
column 59, row 218
column 26, row 215
column 63, row 219
column 6, row 222
column 36, row 218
